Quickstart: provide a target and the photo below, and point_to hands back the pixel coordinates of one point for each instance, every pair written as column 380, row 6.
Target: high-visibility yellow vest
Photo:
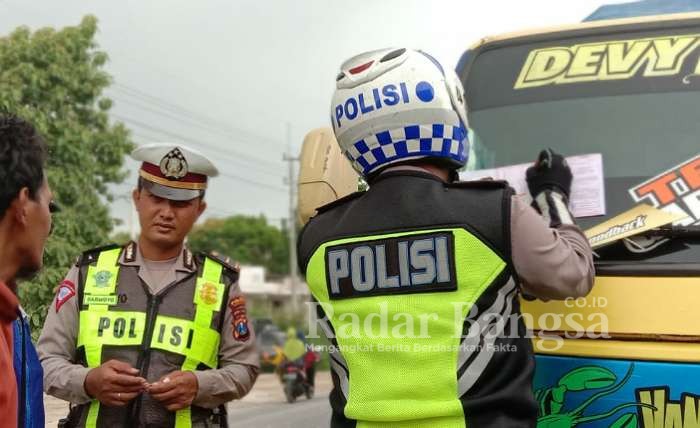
column 115, row 323
column 417, row 292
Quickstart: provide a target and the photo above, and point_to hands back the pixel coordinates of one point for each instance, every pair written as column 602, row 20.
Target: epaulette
column 90, row 256
column 227, row 263
column 479, row 184
column 187, row 259
column 340, row 201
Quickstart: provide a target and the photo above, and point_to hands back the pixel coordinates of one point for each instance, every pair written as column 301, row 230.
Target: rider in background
column 294, row 348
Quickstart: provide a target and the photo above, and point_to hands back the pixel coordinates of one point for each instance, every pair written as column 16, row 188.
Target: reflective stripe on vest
column 99, row 326
column 398, row 318
column 99, row 290
column 208, row 297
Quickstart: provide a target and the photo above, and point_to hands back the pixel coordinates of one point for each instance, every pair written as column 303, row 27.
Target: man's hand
column 550, row 172
column 176, row 390
column 114, row 383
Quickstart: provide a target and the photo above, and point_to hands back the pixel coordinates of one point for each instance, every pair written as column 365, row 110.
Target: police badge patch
column 241, row 331
column 174, row 165
column 102, row 278
column 208, row 293
column 66, row 290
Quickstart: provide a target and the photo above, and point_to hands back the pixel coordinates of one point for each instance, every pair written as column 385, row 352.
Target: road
column 314, row 413
column 264, row 407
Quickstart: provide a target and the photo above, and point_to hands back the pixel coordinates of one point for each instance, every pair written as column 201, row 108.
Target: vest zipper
column 144, row 359
column 153, row 303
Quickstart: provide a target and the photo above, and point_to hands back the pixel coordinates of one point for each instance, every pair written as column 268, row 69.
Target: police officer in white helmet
column 417, row 279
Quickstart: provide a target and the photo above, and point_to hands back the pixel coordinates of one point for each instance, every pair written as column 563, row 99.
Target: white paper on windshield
column 587, row 189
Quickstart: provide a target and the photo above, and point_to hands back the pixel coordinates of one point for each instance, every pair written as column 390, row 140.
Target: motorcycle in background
column 293, row 378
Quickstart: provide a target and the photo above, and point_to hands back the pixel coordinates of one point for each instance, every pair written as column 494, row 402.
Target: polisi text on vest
column 388, row 266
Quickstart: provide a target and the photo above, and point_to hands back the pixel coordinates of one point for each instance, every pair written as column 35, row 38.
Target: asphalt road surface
column 264, row 407
column 314, row 413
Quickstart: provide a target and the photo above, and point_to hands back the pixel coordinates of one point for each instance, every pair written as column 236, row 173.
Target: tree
column 55, row 80
column 120, row 238
column 245, row 239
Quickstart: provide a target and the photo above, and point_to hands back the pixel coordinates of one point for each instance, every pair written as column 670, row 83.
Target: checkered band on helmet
column 409, row 142
column 394, row 105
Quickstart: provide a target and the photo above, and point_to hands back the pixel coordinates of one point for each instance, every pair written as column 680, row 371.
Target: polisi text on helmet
column 377, row 98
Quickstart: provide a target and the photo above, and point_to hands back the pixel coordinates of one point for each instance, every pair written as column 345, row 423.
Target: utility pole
column 291, row 222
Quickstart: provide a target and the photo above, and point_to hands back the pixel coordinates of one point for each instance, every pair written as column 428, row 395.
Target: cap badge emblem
column 174, row 165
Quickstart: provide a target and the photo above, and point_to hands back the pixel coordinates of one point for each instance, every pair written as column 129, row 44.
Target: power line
column 192, row 141
column 191, row 114
column 124, row 193
column 254, row 183
column 184, row 117
column 291, row 230
column 190, row 82
column 146, row 139
column 181, row 117
column 245, row 180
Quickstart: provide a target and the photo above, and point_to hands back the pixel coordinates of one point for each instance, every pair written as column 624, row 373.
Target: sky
column 244, row 81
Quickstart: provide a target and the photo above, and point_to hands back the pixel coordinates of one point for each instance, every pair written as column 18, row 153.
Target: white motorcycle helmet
column 393, row 105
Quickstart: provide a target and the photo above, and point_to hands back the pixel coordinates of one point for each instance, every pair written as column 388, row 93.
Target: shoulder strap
column 90, row 256
column 229, row 269
column 340, row 201
column 479, row 184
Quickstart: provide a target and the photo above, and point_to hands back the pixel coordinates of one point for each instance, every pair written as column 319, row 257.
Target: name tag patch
column 109, row 300
column 407, row 264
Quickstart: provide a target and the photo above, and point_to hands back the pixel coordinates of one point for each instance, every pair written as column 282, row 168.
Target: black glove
column 549, row 182
column 550, row 172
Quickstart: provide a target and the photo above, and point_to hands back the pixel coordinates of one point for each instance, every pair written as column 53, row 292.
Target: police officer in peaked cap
column 150, row 334
column 417, row 279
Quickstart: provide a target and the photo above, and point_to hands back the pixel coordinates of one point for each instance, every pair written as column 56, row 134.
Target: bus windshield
column 595, row 91
column 639, row 136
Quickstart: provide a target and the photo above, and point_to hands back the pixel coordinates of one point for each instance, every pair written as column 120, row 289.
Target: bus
column 628, row 89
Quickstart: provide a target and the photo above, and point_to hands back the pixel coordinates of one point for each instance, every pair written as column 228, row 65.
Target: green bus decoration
column 552, row 400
